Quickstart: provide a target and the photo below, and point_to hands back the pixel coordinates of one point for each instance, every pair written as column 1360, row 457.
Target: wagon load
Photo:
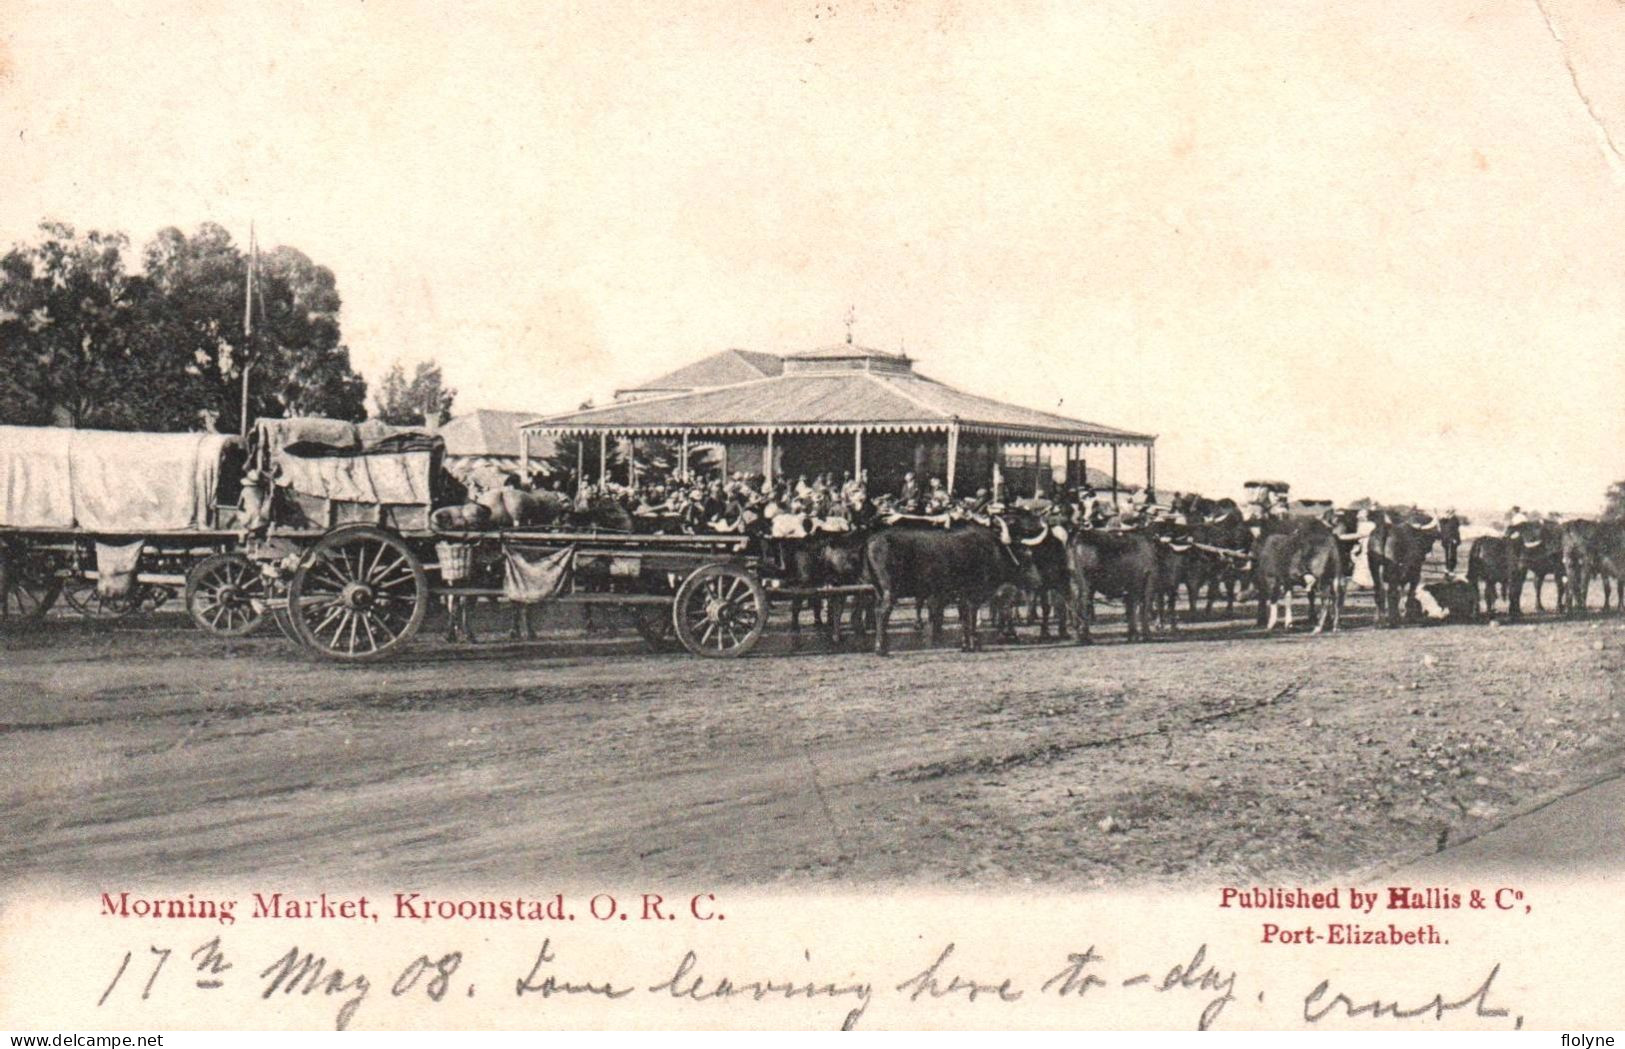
column 326, row 473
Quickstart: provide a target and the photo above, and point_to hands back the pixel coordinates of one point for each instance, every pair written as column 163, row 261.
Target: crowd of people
column 788, row 506
column 793, row 506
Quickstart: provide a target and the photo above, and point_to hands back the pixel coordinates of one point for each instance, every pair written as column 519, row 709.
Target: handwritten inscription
column 1197, row 985
column 1317, row 1006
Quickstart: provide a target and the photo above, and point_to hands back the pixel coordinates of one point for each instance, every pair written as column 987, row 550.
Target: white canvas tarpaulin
column 109, row 482
column 399, row 478
column 36, row 487
column 370, row 462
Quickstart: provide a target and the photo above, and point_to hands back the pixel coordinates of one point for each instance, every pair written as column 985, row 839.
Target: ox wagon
column 342, row 526
column 109, row 521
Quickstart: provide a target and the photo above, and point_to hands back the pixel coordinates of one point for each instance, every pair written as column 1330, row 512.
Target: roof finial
column 851, row 319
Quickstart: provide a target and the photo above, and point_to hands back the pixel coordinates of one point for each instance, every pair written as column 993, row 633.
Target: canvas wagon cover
column 106, row 481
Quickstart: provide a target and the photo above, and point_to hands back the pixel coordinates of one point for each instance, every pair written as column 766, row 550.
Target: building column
column 953, row 457
column 603, row 459
column 857, row 455
column 1150, row 469
column 682, row 469
column 1114, row 475
column 998, row 470
column 767, row 458
column 581, row 461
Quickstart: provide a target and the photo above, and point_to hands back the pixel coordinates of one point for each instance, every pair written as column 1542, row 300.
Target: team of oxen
column 1208, row 549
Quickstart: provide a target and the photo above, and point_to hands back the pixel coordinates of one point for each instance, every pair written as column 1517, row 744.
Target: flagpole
column 248, row 322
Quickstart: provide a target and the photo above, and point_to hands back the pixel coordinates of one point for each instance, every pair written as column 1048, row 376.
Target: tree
column 414, row 402
column 85, row 342
column 296, row 361
column 566, row 448
column 1614, row 507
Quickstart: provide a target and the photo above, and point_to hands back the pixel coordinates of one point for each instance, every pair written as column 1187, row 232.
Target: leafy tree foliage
column 416, row 401
column 86, row 342
column 68, row 315
column 567, row 447
column 1614, row 508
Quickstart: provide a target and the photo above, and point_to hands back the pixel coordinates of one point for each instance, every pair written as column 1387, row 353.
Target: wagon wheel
column 360, row 594
column 84, row 597
column 720, row 612
column 225, row 595
column 27, row 591
column 654, row 623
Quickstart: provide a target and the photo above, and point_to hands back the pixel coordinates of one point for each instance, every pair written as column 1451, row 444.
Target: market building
column 849, row 408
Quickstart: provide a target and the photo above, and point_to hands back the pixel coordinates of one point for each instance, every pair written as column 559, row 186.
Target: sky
column 1368, row 248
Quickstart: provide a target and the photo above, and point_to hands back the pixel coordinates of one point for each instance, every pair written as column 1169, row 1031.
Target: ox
column 1452, row 600
column 1593, row 549
column 1177, row 565
column 1608, row 553
column 1117, row 565
column 1214, row 571
column 1040, row 550
column 1535, row 548
column 1490, row 563
column 819, row 560
column 968, row 564
column 1298, row 550
column 1579, row 565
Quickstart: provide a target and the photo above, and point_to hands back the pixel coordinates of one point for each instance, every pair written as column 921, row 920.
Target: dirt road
column 151, row 750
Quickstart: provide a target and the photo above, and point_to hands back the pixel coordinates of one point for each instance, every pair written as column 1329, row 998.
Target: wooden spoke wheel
column 84, row 597
column 654, row 623
column 720, row 612
column 27, row 588
column 359, row 595
column 226, row 595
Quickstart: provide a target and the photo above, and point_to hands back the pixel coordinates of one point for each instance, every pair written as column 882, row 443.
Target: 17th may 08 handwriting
column 1195, row 989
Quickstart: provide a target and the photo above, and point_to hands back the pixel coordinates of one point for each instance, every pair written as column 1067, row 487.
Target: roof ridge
column 909, row 397
column 679, row 395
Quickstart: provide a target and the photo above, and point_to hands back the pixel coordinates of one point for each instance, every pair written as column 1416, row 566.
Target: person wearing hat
column 908, row 497
column 1087, row 513
column 860, row 511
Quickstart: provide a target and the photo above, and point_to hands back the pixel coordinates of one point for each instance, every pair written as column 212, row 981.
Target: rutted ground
column 152, row 751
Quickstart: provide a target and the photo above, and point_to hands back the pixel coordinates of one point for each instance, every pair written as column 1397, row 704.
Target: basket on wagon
column 456, row 560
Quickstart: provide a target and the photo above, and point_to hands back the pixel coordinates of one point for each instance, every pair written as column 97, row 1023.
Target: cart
column 345, row 540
